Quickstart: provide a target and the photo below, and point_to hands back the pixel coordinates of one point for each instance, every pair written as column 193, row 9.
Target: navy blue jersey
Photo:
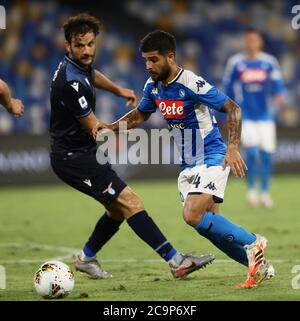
column 72, row 97
column 251, row 82
column 186, row 104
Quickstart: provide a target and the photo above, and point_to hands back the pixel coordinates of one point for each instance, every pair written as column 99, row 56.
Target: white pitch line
column 69, row 252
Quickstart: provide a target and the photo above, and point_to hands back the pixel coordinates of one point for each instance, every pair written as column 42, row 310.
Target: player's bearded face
column 164, row 72
column 82, row 48
column 157, row 66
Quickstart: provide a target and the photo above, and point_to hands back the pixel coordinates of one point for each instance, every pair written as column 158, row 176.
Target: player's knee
column 136, row 204
column 130, row 201
column 192, row 214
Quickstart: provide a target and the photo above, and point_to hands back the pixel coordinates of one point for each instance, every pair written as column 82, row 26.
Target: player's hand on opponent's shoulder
column 16, row 108
column 129, row 95
column 235, row 161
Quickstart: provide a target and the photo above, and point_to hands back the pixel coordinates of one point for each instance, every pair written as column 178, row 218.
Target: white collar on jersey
column 177, row 76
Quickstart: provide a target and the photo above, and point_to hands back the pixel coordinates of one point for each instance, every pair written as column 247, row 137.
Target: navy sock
column 105, row 228
column 227, row 236
column 147, row 230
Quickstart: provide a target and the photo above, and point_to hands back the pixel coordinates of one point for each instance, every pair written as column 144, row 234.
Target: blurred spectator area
column 207, row 33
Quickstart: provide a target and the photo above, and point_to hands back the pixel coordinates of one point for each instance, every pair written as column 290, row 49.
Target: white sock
column 176, row 259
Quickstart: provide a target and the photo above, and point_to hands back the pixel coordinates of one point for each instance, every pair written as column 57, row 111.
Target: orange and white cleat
column 259, row 269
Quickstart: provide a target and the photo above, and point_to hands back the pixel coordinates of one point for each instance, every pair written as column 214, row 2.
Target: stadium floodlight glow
column 2, row 18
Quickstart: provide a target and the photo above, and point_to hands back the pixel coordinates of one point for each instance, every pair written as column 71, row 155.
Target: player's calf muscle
column 195, row 207
column 214, row 208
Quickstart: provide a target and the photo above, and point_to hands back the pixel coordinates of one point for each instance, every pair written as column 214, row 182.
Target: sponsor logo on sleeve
column 83, row 103
column 75, row 85
column 200, row 83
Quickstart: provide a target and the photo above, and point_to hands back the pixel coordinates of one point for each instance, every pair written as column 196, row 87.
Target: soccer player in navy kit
column 73, row 154
column 186, row 101
column 252, row 78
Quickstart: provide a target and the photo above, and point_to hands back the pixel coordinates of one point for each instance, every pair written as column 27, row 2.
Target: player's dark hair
column 159, row 40
column 258, row 32
column 253, row 30
column 81, row 25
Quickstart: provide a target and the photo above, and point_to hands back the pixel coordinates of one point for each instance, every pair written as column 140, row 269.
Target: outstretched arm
column 234, row 126
column 132, row 119
column 102, row 82
column 13, row 106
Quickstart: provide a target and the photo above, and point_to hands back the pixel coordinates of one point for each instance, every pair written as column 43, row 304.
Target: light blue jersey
column 252, row 82
column 186, row 103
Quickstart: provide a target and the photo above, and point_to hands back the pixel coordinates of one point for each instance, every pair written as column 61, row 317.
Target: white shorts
column 261, row 134
column 202, row 179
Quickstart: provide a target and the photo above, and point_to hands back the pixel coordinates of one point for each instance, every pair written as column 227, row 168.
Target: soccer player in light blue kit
column 186, row 101
column 251, row 78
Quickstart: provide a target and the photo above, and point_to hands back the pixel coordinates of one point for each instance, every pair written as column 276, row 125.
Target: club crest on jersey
column 181, row 93
column 173, row 109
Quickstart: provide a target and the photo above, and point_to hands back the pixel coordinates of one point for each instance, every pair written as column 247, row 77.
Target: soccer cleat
column 252, row 198
column 189, row 264
column 91, row 267
column 259, row 269
column 266, row 200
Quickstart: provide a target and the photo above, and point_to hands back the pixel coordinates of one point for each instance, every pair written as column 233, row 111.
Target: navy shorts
column 84, row 173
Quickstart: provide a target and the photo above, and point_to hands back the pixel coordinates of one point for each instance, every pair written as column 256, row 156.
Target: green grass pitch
column 38, row 223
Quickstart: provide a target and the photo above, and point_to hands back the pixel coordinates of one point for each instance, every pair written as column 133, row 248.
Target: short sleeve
column 276, row 78
column 76, row 97
column 147, row 104
column 215, row 98
column 203, row 93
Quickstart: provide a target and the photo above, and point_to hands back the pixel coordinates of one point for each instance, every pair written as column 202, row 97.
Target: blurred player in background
column 73, row 154
column 186, row 102
column 12, row 105
column 251, row 78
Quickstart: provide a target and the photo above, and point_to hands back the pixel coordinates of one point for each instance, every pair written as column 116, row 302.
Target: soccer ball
column 53, row 280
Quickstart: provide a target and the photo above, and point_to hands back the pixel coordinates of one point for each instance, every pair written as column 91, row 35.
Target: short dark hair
column 80, row 25
column 159, row 40
column 253, row 30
